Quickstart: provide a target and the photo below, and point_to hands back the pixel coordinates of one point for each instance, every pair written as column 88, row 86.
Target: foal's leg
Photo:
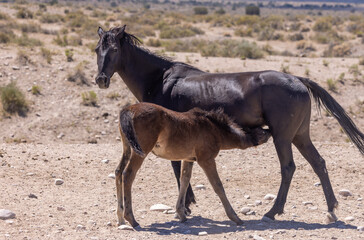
column 209, row 167
column 308, row 150
column 284, row 151
column 185, row 180
column 119, row 188
column 190, row 197
column 128, row 178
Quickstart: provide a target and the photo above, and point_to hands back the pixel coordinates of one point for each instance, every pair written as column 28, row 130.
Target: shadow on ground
column 198, row 224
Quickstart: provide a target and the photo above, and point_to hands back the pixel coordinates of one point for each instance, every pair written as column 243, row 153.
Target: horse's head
column 108, row 54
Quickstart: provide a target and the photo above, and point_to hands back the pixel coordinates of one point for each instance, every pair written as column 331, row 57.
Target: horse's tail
column 322, row 97
column 127, row 128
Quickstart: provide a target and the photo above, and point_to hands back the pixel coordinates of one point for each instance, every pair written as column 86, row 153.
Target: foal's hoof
column 330, row 218
column 267, row 219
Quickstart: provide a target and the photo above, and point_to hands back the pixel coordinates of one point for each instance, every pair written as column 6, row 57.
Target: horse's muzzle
column 102, row 80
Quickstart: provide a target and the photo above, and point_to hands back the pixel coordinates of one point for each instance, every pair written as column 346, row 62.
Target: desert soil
column 54, row 144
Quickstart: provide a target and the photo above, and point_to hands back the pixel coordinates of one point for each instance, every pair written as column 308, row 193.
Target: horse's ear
column 120, row 32
column 100, row 31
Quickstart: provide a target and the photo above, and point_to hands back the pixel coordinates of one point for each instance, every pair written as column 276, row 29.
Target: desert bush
column 354, row 69
column 23, row 58
column 113, row 95
column 89, row 98
column 296, row 37
column 61, row 41
column 285, row 68
column 180, row 31
column 338, row 50
column 325, row 63
column 26, row 41
column 4, row 16
column 220, row 11
column 305, row 46
column 269, row 34
column 341, row 77
column 322, row 24
column 78, row 76
column 286, row 53
column 244, row 32
column 46, row 54
column 36, row 90
column 13, row 99
column 331, row 84
column 86, row 26
column 200, row 10
column 142, row 31
column 154, row 42
column 249, row 20
column 29, row 28
column 69, row 55
column 252, row 10
column 42, row 7
column 51, row 18
column 328, row 37
column 295, row 26
column 273, row 21
column 75, row 40
column 24, row 13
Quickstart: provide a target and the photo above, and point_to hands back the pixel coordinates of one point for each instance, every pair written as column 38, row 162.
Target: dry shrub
column 78, row 76
column 13, row 99
column 328, row 37
column 24, row 13
column 46, row 54
column 154, row 42
column 244, row 32
column 296, row 37
column 51, row 18
column 322, row 24
column 75, row 40
column 23, row 58
column 89, row 98
column 168, row 32
column 338, row 50
column 26, row 41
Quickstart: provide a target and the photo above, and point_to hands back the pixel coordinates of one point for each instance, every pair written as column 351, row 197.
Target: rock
column 9, row 221
column 111, row 175
column 106, row 121
column 32, row 195
column 105, row 161
column 349, row 219
column 313, row 208
column 258, row 202
column 160, row 207
column 59, row 181
column 108, row 224
column 269, row 196
column 80, row 227
column 202, row 233
column 125, row 227
column 169, row 211
column 200, row 187
column 345, row 193
column 359, row 199
column 250, row 213
column 247, row 196
column 103, row 133
column 60, row 136
column 60, row 68
column 317, row 184
column 245, row 210
column 61, row 209
column 360, row 228
column 16, row 68
column 30, row 174
column 307, row 203
column 6, row 214
column 280, row 232
column 257, row 237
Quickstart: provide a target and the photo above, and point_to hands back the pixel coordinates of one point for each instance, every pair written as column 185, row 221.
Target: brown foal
column 191, row 136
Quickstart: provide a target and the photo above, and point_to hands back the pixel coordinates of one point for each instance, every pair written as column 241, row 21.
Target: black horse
column 253, row 99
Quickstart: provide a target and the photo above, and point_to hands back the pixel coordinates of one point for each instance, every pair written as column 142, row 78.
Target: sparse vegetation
column 13, row 99
column 89, row 98
column 78, row 76
column 252, row 10
column 285, row 68
column 113, row 95
column 36, row 90
column 200, row 10
column 69, row 55
column 331, row 84
column 23, row 58
column 325, row 63
column 46, row 54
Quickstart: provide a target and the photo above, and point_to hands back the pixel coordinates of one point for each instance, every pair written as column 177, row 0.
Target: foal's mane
column 219, row 118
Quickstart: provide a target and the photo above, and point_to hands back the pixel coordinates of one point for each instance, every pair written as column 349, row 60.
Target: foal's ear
column 120, row 32
column 100, row 31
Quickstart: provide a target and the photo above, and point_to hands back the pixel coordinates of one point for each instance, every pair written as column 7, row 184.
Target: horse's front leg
column 128, row 177
column 186, row 172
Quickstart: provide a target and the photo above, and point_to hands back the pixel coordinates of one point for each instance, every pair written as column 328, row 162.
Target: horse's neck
column 141, row 71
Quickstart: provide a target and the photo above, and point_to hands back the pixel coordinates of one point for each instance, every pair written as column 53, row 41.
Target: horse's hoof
column 239, row 222
column 267, row 219
column 135, row 224
column 330, row 218
column 187, row 211
column 176, row 216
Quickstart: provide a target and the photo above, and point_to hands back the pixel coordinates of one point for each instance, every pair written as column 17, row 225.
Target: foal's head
column 108, row 52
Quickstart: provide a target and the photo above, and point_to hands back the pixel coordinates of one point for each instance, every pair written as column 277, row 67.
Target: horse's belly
column 171, row 152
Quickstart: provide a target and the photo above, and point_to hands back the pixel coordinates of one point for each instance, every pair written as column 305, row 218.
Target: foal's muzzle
column 102, row 80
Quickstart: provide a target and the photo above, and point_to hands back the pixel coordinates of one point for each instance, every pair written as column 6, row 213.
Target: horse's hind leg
column 308, row 150
column 185, row 181
column 128, row 177
column 119, row 188
column 190, row 196
column 209, row 167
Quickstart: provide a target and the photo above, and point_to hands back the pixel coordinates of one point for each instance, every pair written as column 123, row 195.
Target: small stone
column 269, row 196
column 9, row 221
column 160, row 207
column 307, row 203
column 106, row 121
column 125, row 227
column 61, row 209
column 349, row 219
column 59, row 181
column 117, row 138
column 111, row 175
column 200, row 187
column 103, row 133
column 280, row 232
column 16, row 68
column 257, row 237
column 108, row 224
column 250, row 213
column 313, row 208
column 105, row 161
column 202, row 233
column 258, row 202
column 345, row 193
column 80, row 227
column 30, row 174
column 360, row 228
column 359, row 199
column 169, row 211
column 6, row 214
column 317, row 184
column 60, row 136
column 32, row 195
column 60, row 68
column 247, row 196
column 245, row 210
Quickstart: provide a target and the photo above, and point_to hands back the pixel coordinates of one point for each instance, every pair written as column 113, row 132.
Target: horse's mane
column 219, row 118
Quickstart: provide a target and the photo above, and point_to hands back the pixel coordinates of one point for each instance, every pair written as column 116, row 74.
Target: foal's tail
column 127, row 128
column 322, row 97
